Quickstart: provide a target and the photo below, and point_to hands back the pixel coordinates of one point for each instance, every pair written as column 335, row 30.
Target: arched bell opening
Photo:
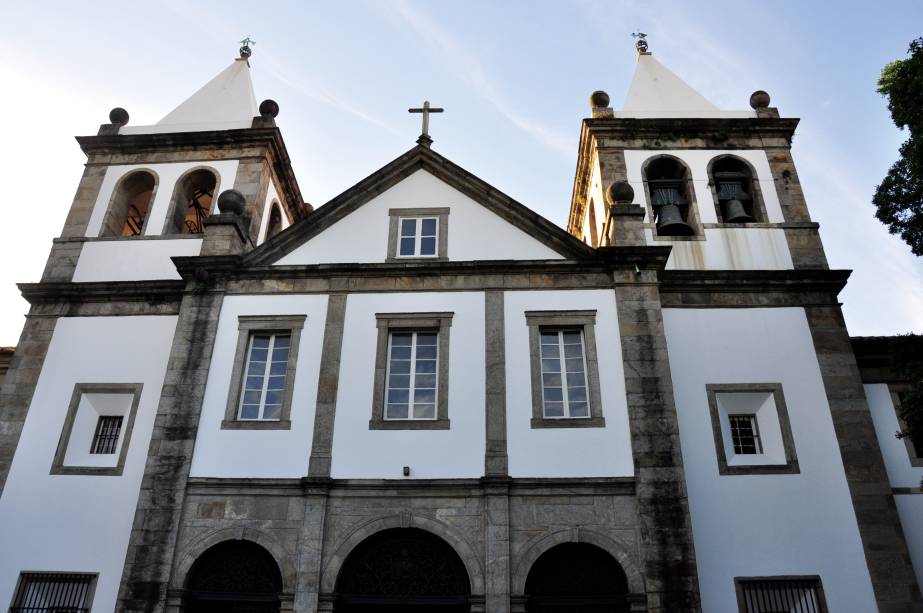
column 669, row 189
column 131, row 202
column 234, row 577
column 192, row 202
column 403, row 570
column 274, row 225
column 576, row 578
column 736, row 193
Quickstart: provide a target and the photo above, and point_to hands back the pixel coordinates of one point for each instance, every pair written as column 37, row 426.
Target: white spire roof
column 656, row 91
column 226, row 102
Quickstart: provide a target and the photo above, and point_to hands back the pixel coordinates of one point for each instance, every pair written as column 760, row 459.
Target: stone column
column 19, row 384
column 667, row 549
column 886, row 553
column 152, row 544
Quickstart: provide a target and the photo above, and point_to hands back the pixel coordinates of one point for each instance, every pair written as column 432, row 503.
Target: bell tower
column 671, row 168
column 151, row 192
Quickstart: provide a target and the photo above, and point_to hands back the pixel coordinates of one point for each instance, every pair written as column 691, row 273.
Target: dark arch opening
column 192, row 202
column 735, row 191
column 670, row 192
column 274, row 226
column 576, row 577
column 402, row 570
column 234, row 577
column 130, row 205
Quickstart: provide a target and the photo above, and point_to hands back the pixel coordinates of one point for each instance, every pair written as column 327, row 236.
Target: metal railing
column 789, row 595
column 53, row 593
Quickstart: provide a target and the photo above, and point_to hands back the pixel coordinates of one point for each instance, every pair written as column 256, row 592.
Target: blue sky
column 513, row 77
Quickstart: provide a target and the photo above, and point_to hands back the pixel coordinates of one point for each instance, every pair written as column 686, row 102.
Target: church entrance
column 234, row 577
column 576, row 578
column 402, row 570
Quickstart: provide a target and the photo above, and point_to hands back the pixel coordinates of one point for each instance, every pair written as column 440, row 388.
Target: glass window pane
column 249, row 411
column 573, row 351
column 424, row 411
column 401, row 339
column 396, row 396
column 396, row 411
column 402, row 381
column 400, row 353
column 574, row 365
column 551, row 365
column 555, row 394
column 549, row 338
column 254, row 383
column 283, row 340
column 554, row 409
column 426, row 338
column 272, row 411
column 551, row 351
column 425, row 380
column 551, row 380
column 428, row 227
column 407, row 246
column 577, row 379
column 276, row 383
column 428, row 246
column 400, row 367
column 426, row 352
column 280, row 354
column 571, row 338
column 426, row 396
column 252, row 397
column 426, row 366
column 578, row 409
column 260, row 341
column 258, row 354
column 576, row 394
column 274, row 397
column 256, row 368
column 278, row 368
column 408, row 227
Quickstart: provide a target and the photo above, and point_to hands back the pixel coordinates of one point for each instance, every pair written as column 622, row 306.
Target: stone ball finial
column 759, row 100
column 599, row 99
column 269, row 109
column 118, row 116
column 620, row 192
column 231, row 201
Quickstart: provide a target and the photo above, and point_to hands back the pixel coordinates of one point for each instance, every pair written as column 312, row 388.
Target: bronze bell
column 670, row 222
column 736, row 212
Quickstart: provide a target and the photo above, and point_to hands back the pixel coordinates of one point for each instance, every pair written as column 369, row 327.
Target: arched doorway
column 576, row 577
column 402, row 570
column 234, row 577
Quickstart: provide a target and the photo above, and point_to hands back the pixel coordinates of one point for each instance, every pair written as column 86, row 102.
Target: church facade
column 423, row 396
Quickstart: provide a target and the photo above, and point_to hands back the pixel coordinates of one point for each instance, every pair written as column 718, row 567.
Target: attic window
column 418, row 234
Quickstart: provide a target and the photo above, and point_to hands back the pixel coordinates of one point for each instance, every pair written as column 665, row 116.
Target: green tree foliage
column 899, row 198
column 907, row 360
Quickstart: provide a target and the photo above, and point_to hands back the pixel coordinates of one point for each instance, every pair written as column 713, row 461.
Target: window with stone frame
column 802, row 594
column 263, row 376
column 54, row 592
column 565, row 374
column 411, row 371
column 418, row 234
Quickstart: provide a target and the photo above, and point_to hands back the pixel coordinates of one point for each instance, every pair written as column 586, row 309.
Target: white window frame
column 563, row 372
column 417, row 236
column 266, row 376
column 413, row 372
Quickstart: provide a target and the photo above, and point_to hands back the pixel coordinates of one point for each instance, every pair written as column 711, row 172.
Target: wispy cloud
column 460, row 61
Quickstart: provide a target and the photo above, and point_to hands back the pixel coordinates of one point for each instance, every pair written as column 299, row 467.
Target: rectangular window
column 411, row 386
column 412, row 375
column 264, row 382
column 564, row 385
column 106, row 438
column 745, row 434
column 770, row 595
column 263, row 376
column 418, row 236
column 53, row 593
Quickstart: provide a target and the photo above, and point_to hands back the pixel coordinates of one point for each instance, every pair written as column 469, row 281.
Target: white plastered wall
column 81, row 523
column 901, row 473
column 361, row 453
column 566, row 452
column 764, row 525
column 723, row 248
column 270, row 453
column 475, row 232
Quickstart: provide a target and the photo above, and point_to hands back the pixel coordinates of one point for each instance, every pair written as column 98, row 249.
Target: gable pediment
column 482, row 222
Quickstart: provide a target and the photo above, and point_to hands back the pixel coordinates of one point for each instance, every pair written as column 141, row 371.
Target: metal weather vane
column 245, row 50
column 641, row 43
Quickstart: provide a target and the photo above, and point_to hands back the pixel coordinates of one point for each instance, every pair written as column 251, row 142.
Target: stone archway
column 402, row 570
column 233, row 577
column 576, row 578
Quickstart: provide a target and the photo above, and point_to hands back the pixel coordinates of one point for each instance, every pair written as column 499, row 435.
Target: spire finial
column 245, row 50
column 641, row 43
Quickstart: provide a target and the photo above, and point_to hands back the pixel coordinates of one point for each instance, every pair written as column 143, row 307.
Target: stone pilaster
column 149, row 559
column 328, row 381
column 226, row 234
column 19, row 385
column 253, row 177
column 886, row 553
column 667, row 550
column 496, row 459
column 497, row 546
column 311, row 547
column 801, row 233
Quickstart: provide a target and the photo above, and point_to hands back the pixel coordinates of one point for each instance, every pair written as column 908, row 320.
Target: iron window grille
column 419, row 237
column 263, row 386
column 781, row 595
column 106, row 437
column 53, row 593
column 564, row 384
column 413, row 377
column 745, row 435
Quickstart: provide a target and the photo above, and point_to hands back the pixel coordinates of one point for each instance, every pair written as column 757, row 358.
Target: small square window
column 751, row 429
column 106, row 438
column 418, row 233
column 774, row 594
column 565, row 377
column 264, row 372
column 54, row 593
column 411, row 371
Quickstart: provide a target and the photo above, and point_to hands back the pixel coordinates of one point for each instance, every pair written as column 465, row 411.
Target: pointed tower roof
column 656, row 91
column 226, row 102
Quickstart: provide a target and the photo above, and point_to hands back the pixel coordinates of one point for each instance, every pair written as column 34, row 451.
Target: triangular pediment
column 482, row 222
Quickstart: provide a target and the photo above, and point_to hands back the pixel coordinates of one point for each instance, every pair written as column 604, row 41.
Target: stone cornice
column 105, row 291
column 750, row 288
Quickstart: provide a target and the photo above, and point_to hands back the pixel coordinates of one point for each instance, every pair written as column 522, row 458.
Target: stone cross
column 426, row 110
